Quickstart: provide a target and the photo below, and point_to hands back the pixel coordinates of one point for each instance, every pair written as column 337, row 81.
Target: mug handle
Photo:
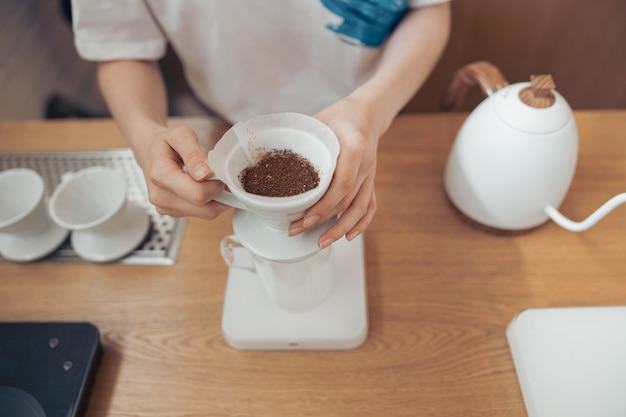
column 235, row 255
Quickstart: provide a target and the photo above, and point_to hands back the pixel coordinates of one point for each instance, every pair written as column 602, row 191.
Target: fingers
column 364, row 221
column 354, row 220
column 336, row 199
column 183, row 140
column 349, row 175
column 171, row 189
column 178, row 204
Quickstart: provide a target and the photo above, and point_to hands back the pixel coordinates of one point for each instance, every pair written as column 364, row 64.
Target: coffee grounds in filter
column 280, row 173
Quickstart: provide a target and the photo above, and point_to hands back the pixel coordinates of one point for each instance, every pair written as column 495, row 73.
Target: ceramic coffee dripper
column 291, row 285
column 295, row 274
column 27, row 232
column 299, row 133
column 92, row 203
column 514, row 158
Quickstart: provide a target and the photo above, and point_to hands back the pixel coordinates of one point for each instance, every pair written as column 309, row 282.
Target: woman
column 351, row 64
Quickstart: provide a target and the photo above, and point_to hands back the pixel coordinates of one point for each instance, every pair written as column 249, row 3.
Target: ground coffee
column 280, row 173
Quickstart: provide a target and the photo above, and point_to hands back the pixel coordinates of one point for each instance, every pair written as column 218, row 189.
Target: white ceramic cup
column 296, row 132
column 22, row 206
column 92, row 203
column 89, row 199
column 295, row 286
column 26, row 231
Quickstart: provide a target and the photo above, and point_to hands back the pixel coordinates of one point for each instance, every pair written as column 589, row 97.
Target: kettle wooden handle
column 482, row 73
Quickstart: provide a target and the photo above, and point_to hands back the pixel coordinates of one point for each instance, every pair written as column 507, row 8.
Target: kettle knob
column 539, row 94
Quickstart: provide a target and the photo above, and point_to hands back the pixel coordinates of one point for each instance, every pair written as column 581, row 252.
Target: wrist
column 141, row 135
column 378, row 112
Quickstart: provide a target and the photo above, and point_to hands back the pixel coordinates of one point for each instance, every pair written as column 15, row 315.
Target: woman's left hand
column 351, row 191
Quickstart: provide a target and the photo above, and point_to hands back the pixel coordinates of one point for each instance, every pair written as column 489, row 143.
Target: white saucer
column 270, row 243
column 99, row 247
column 30, row 247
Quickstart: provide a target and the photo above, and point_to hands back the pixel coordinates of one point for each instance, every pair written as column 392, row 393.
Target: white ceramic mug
column 92, row 203
column 296, row 286
column 89, row 199
column 26, row 231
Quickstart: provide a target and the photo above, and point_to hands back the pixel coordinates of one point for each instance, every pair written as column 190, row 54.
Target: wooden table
column 440, row 294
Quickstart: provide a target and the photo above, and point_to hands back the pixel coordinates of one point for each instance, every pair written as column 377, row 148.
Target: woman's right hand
column 175, row 168
column 176, row 171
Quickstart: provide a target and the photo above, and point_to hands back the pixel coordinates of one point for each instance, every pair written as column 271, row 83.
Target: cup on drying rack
column 93, row 204
column 27, row 232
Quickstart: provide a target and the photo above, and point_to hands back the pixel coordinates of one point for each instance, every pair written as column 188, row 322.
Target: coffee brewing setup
column 284, row 292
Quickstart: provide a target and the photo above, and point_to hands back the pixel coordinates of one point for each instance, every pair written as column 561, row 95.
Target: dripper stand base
column 251, row 321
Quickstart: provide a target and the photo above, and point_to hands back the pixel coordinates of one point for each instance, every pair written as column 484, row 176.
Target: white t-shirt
column 244, row 58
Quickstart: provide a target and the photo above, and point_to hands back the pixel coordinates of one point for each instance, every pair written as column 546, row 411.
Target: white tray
column 571, row 361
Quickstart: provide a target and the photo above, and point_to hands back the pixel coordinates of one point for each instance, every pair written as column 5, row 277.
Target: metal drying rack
column 162, row 241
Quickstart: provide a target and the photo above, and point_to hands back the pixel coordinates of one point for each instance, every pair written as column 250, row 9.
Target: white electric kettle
column 515, row 155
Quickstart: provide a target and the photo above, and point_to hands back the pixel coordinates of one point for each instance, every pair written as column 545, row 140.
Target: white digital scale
column 251, row 321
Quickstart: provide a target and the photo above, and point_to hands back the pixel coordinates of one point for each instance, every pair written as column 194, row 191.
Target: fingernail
column 326, row 243
column 352, row 235
column 200, row 171
column 295, row 231
column 310, row 221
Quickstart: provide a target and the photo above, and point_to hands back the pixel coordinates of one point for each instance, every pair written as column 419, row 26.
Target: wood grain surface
column 440, row 291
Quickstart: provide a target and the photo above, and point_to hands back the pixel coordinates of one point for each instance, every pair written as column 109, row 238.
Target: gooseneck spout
column 594, row 218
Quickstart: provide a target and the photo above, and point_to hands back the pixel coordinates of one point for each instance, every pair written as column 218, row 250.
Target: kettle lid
column 532, row 107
